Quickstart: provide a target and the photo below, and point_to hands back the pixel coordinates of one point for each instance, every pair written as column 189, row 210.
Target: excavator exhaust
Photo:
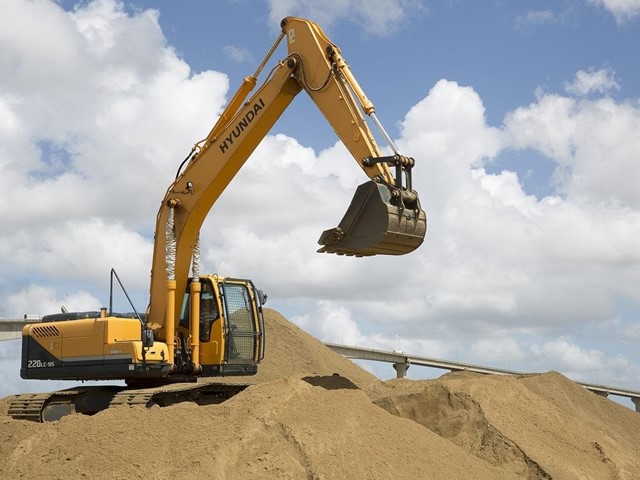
column 377, row 222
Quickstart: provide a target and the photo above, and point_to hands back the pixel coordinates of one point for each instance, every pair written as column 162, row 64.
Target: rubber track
column 176, row 393
column 29, row 406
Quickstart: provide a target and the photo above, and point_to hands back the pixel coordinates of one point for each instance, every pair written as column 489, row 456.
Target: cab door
column 210, row 322
column 244, row 326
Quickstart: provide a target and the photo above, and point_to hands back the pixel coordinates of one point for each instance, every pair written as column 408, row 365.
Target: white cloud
column 593, row 81
column 95, row 120
column 331, row 323
column 570, row 356
column 588, row 365
column 594, row 143
column 536, row 17
column 38, row 300
column 501, row 351
column 238, row 54
column 118, row 80
column 622, row 10
column 496, row 259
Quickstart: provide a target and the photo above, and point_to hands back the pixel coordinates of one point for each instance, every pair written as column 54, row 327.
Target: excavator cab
column 230, row 325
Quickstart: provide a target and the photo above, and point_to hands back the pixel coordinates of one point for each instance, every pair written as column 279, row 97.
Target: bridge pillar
column 401, row 369
column 636, row 402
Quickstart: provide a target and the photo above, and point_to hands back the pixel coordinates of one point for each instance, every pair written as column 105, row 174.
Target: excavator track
column 28, row 406
column 40, row 407
column 51, row 406
column 200, row 393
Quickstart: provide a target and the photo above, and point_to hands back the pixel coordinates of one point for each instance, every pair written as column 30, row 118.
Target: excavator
column 198, row 326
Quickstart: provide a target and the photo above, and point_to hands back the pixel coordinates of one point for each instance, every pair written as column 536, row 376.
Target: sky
column 523, row 118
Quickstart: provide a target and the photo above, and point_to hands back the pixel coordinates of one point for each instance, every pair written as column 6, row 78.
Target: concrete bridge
column 11, row 329
column 401, row 362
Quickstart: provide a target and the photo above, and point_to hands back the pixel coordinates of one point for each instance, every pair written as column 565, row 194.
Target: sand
column 312, row 414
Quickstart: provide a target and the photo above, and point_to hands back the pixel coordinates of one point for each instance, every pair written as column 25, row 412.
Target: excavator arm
column 384, row 217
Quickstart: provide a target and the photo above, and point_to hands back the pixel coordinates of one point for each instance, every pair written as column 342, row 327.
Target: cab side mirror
column 262, row 297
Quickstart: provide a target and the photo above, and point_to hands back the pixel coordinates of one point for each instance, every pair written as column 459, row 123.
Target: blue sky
column 523, row 117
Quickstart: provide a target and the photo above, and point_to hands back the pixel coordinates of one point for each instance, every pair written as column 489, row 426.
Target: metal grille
column 45, row 331
column 240, row 323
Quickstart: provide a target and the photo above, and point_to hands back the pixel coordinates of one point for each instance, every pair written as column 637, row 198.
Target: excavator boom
column 384, row 217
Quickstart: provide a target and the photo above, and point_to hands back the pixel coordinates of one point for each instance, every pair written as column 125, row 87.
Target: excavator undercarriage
column 52, row 406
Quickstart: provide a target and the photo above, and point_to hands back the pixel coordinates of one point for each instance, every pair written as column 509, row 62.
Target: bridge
column 401, row 362
column 11, row 329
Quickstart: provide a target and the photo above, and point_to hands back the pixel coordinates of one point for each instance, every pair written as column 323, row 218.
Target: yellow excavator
column 218, row 329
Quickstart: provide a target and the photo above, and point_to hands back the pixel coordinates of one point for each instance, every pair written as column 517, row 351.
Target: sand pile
column 299, row 421
column 291, row 351
column 535, row 426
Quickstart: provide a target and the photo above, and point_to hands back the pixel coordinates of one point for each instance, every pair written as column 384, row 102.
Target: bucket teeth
column 373, row 225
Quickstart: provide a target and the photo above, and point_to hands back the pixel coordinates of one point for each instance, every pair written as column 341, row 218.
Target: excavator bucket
column 373, row 225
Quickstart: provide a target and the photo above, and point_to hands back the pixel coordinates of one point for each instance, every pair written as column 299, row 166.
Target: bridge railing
column 401, row 361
